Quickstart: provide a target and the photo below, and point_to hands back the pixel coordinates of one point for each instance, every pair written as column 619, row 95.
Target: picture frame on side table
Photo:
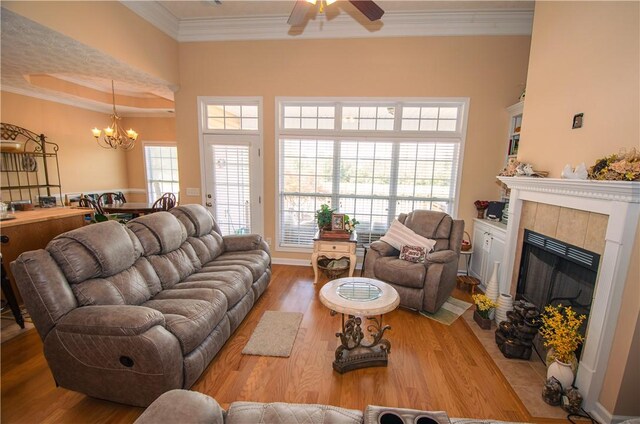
column 337, row 221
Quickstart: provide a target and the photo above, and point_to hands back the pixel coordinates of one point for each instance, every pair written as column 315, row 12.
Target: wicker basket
column 331, row 273
column 466, row 243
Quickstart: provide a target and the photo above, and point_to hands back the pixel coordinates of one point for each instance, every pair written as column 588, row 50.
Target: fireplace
column 553, row 272
column 618, row 202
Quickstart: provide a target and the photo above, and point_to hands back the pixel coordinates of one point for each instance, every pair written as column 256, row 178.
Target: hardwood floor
column 431, row 366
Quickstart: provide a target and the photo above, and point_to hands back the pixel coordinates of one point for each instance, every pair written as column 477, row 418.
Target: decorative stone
column 573, row 401
column 552, row 392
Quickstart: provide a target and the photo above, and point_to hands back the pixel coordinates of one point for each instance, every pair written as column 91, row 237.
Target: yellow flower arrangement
column 484, row 305
column 560, row 330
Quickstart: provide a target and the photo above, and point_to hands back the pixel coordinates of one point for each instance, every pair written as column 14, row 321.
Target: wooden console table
column 334, row 249
column 31, row 230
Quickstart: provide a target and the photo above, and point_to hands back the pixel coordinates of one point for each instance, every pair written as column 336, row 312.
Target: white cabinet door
column 477, row 259
column 495, row 255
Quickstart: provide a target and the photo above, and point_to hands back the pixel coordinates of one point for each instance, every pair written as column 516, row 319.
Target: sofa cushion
column 430, row 224
column 182, row 406
column 256, row 261
column 132, row 286
column 207, row 247
column 397, row 271
column 196, row 219
column 290, row 413
column 175, row 266
column 233, row 280
column 98, row 250
column 190, row 314
column 158, row 232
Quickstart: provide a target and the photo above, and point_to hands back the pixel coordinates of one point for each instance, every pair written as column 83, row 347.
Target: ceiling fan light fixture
column 329, row 2
column 311, row 1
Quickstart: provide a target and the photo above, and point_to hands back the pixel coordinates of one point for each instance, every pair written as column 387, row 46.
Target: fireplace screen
column 554, row 272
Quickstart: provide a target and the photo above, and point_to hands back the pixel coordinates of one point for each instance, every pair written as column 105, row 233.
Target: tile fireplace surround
column 614, row 208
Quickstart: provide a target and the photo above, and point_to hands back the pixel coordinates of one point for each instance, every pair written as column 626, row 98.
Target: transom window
column 232, row 117
column 372, row 177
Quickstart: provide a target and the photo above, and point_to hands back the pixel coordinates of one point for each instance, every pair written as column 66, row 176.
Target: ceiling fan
column 368, row 8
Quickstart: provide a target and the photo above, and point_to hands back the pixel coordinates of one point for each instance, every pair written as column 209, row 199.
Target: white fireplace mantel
column 620, row 200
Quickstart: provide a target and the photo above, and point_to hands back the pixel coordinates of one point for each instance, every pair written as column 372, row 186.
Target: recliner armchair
column 421, row 286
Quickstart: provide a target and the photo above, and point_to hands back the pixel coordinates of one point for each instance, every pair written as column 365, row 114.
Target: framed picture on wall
column 337, row 221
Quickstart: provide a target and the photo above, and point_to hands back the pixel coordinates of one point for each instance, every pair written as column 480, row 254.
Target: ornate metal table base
column 354, row 353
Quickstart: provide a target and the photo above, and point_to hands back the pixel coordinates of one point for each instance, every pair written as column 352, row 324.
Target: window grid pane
column 162, row 171
column 232, row 117
column 372, row 180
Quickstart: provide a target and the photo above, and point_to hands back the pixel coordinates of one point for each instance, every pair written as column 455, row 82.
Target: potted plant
column 323, row 217
column 484, row 308
column 561, row 332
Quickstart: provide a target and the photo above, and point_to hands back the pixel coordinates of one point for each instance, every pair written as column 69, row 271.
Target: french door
column 233, row 189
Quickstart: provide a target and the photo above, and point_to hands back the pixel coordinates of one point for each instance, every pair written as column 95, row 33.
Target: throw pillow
column 399, row 235
column 413, row 254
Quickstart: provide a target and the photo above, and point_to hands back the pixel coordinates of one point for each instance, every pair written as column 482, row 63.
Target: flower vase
column 505, row 304
column 492, row 290
column 481, row 213
column 484, row 323
column 562, row 372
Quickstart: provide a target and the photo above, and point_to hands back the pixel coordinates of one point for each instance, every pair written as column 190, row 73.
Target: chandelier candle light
column 114, row 136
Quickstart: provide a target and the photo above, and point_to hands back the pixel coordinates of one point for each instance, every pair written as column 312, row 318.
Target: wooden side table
column 334, row 249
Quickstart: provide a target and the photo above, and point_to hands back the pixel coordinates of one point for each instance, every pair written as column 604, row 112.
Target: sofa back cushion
column 163, row 239
column 202, row 229
column 158, row 233
column 94, row 251
column 430, row 224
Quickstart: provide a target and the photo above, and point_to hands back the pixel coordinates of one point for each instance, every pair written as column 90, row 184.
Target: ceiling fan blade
column 298, row 13
column 368, row 8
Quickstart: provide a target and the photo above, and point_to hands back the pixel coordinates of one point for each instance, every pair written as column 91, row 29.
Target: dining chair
column 111, row 198
column 165, row 202
column 88, row 202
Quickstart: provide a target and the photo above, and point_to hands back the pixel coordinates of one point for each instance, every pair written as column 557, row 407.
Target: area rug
column 274, row 335
column 449, row 312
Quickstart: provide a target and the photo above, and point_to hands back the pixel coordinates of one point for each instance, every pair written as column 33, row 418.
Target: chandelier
column 114, row 136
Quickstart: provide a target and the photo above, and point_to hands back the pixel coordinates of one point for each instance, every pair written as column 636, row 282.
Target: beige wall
column 110, row 27
column 150, row 130
column 585, row 57
column 489, row 70
column 84, row 166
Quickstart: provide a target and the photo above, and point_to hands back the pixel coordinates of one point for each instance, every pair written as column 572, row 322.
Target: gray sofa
column 421, row 286
column 183, row 406
column 127, row 313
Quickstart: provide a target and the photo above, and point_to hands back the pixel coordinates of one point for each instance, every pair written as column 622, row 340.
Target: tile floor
column 526, row 377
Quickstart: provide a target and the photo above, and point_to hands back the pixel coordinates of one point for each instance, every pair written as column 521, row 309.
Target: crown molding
column 344, row 26
column 157, row 15
column 86, row 105
column 441, row 23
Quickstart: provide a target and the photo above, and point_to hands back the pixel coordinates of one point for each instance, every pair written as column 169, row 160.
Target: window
column 371, row 166
column 161, row 164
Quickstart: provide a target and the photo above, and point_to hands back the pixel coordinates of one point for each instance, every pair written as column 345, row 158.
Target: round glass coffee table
column 359, row 297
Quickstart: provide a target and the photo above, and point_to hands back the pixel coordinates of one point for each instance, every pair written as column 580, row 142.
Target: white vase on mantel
column 505, row 304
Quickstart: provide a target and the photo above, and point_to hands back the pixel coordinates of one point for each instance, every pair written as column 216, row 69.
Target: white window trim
column 202, row 102
column 463, row 102
column 144, row 161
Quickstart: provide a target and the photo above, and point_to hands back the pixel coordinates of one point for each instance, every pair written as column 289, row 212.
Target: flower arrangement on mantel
column 623, row 166
column 561, row 331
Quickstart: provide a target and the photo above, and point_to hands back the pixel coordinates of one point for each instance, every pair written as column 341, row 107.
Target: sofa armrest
column 384, row 248
column 441, row 257
column 182, row 406
column 110, row 320
column 243, row 242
